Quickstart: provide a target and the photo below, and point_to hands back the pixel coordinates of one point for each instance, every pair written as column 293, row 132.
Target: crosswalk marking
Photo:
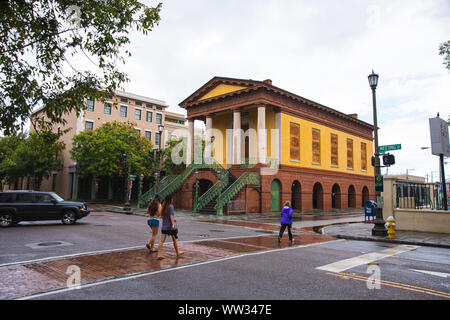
column 343, row 265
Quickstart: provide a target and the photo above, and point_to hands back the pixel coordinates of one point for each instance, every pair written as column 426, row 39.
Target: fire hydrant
column 390, row 226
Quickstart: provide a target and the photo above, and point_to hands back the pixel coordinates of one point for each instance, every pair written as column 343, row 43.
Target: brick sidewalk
column 20, row 280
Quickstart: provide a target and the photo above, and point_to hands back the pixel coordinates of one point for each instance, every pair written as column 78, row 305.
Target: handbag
column 175, row 230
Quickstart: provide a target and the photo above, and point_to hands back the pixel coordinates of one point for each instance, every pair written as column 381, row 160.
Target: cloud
column 321, row 50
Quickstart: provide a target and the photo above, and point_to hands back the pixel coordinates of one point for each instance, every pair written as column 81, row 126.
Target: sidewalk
column 343, row 225
column 363, row 231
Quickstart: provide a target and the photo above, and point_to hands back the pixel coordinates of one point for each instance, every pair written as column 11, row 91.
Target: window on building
column 349, row 153
column 88, row 125
column 149, row 106
column 148, row 135
column 159, row 118
column 137, row 114
column 158, row 108
column 138, row 103
column 107, row 109
column 157, row 138
column 294, row 132
column 363, row 156
column 316, row 146
column 123, row 111
column 149, row 116
column 123, row 99
column 334, row 150
column 90, row 105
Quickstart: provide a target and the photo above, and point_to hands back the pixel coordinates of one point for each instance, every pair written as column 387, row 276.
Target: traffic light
column 123, row 159
column 158, row 155
column 373, row 161
column 388, row 159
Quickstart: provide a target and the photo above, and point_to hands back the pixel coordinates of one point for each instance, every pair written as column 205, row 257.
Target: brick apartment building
column 147, row 113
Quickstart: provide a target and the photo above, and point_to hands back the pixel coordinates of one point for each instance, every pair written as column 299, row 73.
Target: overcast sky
column 322, row 50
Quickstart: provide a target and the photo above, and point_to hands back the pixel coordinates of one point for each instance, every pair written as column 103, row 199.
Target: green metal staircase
column 171, row 183
column 247, row 178
column 212, row 192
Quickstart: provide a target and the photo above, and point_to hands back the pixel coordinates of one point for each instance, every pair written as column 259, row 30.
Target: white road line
column 144, row 274
column 343, row 265
column 73, row 255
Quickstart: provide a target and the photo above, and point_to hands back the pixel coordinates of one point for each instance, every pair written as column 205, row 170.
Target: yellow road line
column 392, row 284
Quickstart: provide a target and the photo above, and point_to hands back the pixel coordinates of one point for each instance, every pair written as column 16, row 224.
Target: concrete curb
column 399, row 241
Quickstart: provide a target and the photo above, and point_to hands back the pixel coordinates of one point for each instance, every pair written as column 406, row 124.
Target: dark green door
column 275, row 195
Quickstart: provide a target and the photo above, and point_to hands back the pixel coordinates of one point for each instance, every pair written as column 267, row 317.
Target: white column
column 237, row 136
column 262, row 137
column 278, row 146
column 208, row 135
column 190, row 143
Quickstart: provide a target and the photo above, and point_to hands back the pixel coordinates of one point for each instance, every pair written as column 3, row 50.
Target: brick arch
column 336, row 196
column 351, row 196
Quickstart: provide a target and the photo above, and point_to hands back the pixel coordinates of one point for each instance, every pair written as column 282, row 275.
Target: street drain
column 217, row 230
column 264, row 231
column 203, row 235
column 49, row 244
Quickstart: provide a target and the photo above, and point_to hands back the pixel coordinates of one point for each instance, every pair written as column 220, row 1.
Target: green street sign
column 132, row 176
column 383, row 149
column 379, row 184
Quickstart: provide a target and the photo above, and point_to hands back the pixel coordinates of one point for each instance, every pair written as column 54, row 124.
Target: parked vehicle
column 23, row 205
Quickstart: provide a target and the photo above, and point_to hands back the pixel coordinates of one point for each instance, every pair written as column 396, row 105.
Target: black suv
column 16, row 206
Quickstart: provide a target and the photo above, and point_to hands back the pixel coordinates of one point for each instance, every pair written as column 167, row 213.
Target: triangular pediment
column 216, row 87
column 221, row 89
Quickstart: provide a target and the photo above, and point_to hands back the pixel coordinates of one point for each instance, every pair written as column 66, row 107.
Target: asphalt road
column 288, row 273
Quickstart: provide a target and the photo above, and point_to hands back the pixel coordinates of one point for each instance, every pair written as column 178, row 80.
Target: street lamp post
column 127, row 206
column 378, row 229
column 160, row 131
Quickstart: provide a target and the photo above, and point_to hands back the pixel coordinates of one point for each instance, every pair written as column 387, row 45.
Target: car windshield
column 57, row 197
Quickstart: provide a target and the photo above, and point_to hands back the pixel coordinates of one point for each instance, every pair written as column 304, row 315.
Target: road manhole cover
column 47, row 244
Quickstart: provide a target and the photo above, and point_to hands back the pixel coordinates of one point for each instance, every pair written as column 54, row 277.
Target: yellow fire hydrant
column 390, row 226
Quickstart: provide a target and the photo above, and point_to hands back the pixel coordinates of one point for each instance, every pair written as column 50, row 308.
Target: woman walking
column 168, row 226
column 286, row 221
column 154, row 211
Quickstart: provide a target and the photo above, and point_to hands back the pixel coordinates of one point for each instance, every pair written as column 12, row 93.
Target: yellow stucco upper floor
column 347, row 145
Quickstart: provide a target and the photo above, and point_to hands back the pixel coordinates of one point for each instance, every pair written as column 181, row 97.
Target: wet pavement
column 25, row 279
column 21, row 280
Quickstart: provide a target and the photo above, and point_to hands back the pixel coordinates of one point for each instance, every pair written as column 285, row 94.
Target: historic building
column 269, row 146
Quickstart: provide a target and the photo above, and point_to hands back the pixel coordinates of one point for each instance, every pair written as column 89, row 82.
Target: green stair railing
column 246, row 178
column 212, row 192
column 144, row 198
column 171, row 183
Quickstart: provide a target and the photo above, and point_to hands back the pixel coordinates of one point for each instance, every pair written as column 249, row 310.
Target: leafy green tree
column 35, row 155
column 444, row 50
column 99, row 152
column 174, row 154
column 54, row 53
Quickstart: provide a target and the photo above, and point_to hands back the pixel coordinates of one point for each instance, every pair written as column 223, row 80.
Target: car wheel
column 6, row 220
column 69, row 217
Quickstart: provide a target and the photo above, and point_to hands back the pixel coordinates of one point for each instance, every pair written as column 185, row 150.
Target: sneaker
column 279, row 240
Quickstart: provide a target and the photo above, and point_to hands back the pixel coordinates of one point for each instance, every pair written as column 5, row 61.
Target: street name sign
column 383, row 149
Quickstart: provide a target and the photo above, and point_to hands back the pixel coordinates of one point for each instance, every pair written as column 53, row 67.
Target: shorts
column 171, row 232
column 153, row 223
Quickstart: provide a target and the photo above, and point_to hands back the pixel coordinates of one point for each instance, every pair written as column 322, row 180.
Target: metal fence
column 411, row 195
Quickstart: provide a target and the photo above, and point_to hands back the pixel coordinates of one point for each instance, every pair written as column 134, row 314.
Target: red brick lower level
column 307, row 189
